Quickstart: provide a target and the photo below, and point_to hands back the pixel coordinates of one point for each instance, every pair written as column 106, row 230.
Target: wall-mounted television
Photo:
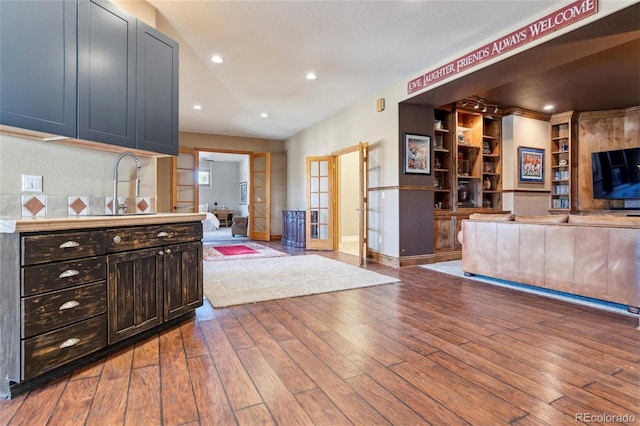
column 616, row 174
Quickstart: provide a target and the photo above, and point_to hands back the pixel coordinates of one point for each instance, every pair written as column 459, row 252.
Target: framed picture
column 204, row 177
column 530, row 165
column 243, row 192
column 417, row 154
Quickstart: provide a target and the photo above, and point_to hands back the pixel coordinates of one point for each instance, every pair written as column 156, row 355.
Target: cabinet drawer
column 123, row 239
column 50, row 350
column 49, row 311
column 61, row 246
column 60, row 275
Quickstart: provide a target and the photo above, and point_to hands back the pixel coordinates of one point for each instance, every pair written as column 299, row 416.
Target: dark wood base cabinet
column 69, row 296
column 293, row 228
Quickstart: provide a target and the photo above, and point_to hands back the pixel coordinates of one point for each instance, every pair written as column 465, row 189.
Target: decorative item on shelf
column 461, row 139
column 463, row 193
column 438, row 143
column 437, row 124
column 436, row 183
column 439, row 205
column 564, row 146
column 486, row 203
column 563, row 162
column 487, row 184
column 486, row 148
column 436, row 163
column 488, row 167
column 463, row 168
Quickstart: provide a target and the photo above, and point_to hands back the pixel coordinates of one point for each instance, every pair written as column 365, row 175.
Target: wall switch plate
column 31, row 183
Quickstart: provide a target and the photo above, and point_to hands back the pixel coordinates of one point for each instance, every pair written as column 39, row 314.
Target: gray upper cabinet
column 106, row 74
column 157, row 91
column 38, row 65
column 90, row 70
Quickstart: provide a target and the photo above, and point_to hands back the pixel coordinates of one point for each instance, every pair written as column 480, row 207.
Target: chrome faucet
column 117, row 206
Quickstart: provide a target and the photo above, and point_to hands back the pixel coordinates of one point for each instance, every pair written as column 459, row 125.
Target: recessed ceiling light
column 264, row 115
column 217, row 59
column 548, row 107
column 311, row 76
column 198, row 107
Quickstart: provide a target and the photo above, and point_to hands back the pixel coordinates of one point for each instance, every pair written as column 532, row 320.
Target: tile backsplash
column 43, row 206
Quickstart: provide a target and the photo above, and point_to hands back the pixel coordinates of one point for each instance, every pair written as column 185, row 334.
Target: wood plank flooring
column 433, row 349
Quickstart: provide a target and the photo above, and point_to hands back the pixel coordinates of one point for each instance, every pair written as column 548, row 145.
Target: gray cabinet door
column 157, row 91
column 38, row 65
column 106, row 74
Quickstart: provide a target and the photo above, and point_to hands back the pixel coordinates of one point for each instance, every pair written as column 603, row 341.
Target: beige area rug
column 258, row 280
column 216, row 251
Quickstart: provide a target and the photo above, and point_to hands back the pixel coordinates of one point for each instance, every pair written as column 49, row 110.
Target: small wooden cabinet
column 155, row 274
column 293, row 228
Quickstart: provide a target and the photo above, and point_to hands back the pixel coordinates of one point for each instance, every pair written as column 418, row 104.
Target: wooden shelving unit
column 563, row 164
column 467, row 154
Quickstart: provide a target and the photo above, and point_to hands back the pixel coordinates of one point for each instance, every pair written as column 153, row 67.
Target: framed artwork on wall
column 243, row 192
column 530, row 165
column 204, row 177
column 417, row 154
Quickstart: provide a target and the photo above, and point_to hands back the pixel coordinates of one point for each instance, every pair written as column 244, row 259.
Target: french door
column 362, row 149
column 259, row 199
column 319, row 228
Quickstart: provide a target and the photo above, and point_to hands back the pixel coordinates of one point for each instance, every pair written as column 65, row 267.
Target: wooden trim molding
column 400, row 262
column 383, row 188
column 521, row 112
column 540, row 191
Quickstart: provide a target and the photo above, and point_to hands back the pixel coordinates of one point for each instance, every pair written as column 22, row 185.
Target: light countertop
column 8, row 225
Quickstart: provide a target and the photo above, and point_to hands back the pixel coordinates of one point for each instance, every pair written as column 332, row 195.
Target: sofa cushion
column 490, row 216
column 552, row 218
column 604, row 219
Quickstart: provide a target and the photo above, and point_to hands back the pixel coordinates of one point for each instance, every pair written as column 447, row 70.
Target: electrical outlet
column 380, row 240
column 31, row 183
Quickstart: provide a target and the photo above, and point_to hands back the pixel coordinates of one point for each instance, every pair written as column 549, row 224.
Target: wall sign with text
column 561, row 18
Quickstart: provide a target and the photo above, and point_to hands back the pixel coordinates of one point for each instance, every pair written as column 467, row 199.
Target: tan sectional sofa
column 592, row 256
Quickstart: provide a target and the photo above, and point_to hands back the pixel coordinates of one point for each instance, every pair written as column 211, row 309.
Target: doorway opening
column 348, row 203
column 222, row 193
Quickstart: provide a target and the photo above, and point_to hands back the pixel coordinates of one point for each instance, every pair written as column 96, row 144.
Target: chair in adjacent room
column 239, row 226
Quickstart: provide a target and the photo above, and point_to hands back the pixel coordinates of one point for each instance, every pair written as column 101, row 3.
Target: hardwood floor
column 433, row 349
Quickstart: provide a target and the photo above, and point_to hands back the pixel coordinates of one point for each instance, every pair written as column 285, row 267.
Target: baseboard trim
column 400, row 262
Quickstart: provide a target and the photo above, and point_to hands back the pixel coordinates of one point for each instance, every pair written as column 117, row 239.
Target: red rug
column 236, row 250
column 231, row 251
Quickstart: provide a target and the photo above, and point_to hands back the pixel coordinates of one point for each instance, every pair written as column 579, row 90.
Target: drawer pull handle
column 69, row 305
column 69, row 273
column 162, row 234
column 117, row 239
column 69, row 244
column 69, row 342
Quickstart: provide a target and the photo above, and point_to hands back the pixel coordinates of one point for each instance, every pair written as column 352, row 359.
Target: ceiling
column 359, row 48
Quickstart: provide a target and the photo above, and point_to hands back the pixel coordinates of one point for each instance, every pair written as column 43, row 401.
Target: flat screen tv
column 616, row 174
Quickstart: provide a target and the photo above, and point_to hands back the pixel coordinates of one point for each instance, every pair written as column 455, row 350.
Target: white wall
column 359, row 123
column 67, row 170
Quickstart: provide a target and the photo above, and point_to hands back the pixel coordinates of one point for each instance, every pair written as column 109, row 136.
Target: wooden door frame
column 363, row 203
column 266, row 234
